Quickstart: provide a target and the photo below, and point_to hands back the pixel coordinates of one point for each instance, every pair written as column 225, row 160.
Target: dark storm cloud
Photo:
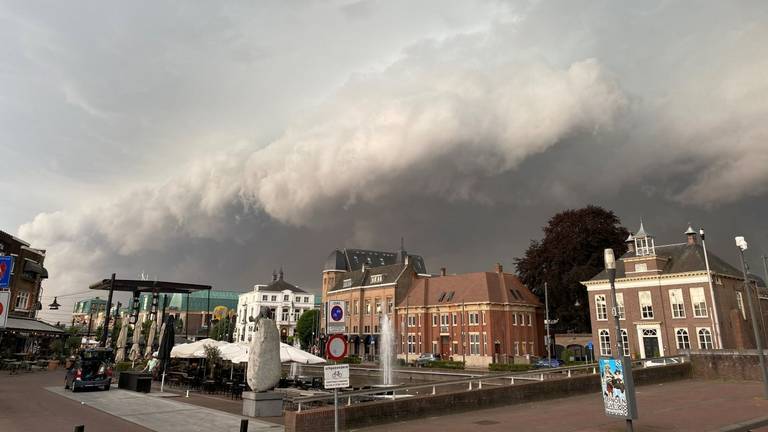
column 463, row 137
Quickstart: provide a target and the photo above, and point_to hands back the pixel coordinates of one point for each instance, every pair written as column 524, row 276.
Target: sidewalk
column 680, row 406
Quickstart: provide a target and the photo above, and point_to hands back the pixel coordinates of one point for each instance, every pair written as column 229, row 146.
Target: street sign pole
column 336, row 377
column 336, row 410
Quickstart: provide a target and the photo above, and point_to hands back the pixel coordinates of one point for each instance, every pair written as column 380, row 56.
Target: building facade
column 478, row 318
column 286, row 302
column 27, row 274
column 669, row 302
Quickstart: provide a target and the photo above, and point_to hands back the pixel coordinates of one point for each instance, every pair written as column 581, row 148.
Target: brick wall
column 741, row 365
column 371, row 413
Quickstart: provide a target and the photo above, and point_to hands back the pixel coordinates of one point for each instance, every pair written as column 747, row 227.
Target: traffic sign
column 336, row 347
column 6, row 264
column 336, row 376
column 337, row 319
column 5, row 297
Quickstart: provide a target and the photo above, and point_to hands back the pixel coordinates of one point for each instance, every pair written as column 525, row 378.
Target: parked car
column 92, row 369
column 426, row 358
column 548, row 363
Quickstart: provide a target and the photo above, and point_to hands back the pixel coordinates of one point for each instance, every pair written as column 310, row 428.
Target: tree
column 212, row 357
column 570, row 252
column 219, row 330
column 116, row 331
column 179, row 326
column 306, row 325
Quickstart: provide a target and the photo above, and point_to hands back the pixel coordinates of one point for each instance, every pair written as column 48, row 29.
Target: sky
column 213, row 142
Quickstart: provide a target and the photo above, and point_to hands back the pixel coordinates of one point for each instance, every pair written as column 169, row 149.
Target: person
column 151, row 365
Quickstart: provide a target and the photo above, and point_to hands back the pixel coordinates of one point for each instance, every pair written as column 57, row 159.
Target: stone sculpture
column 264, row 369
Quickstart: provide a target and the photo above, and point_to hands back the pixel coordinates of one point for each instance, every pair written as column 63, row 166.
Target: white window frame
column 376, row 279
column 22, row 301
column 601, row 307
column 434, row 320
column 709, row 335
column 646, row 309
column 454, row 318
column 474, row 344
column 604, row 338
column 620, row 305
column 625, row 342
column 514, row 319
column 677, row 313
column 740, row 304
column 681, row 344
column 699, row 308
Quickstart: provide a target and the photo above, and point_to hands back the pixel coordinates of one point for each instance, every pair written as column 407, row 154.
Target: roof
column 31, row 325
column 149, row 286
column 477, row 287
column 641, row 232
column 389, row 274
column 682, row 258
column 282, row 285
column 353, row 259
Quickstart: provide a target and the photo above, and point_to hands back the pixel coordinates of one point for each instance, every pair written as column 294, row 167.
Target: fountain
column 386, row 345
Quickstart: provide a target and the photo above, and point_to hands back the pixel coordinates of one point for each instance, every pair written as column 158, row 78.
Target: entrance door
column 444, row 347
column 651, row 343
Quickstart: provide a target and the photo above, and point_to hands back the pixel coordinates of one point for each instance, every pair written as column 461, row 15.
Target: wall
column 740, row 365
column 367, row 414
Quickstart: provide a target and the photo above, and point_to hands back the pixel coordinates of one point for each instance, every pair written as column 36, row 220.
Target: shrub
column 566, row 355
column 499, row 367
column 445, row 364
column 123, row 366
column 353, row 359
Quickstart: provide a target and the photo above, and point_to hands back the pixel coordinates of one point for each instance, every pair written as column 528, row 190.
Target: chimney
column 499, row 268
column 442, row 271
column 274, row 275
column 281, row 274
column 691, row 236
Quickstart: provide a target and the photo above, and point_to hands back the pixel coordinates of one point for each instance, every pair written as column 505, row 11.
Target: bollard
column 569, row 373
column 479, row 385
column 470, row 385
column 79, row 428
column 512, row 381
column 433, row 389
column 349, row 401
column 244, row 425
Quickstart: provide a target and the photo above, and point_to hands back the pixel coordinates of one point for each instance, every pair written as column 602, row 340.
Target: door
column 651, row 345
column 444, row 347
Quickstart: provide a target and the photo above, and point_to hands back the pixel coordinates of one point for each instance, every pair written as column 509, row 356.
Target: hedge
column 499, row 367
column 445, row 364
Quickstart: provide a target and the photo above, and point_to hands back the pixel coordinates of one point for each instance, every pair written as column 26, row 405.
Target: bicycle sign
column 336, row 376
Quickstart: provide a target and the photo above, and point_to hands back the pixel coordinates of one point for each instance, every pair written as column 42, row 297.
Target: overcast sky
column 212, row 142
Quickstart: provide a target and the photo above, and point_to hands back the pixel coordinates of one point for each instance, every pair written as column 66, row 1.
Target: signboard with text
column 618, row 394
column 337, row 320
column 336, row 376
column 6, row 264
column 5, row 298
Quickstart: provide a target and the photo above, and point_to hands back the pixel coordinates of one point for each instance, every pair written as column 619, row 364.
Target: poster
column 614, row 388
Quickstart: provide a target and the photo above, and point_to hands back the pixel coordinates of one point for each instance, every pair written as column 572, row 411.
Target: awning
column 33, row 267
column 31, row 325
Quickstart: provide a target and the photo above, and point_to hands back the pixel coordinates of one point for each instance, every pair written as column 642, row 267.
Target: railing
column 476, row 382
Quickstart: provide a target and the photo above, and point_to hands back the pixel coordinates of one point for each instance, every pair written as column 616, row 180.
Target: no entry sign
column 5, row 297
column 336, row 347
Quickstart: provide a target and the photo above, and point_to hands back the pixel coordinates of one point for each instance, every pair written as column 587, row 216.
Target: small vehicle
column 543, row 363
column 426, row 358
column 91, row 369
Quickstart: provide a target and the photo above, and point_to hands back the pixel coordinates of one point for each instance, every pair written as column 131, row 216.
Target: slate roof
column 476, row 287
column 282, row 285
column 353, row 259
column 359, row 278
column 683, row 258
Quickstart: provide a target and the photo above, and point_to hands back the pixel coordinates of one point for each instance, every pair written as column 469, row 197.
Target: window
column 434, row 320
column 367, row 307
column 411, row 344
column 264, row 297
column 625, row 342
column 454, row 318
column 676, row 300
column 306, row 299
column 620, row 305
column 517, row 348
column 683, row 341
column 390, row 305
column 740, row 304
column 411, row 320
column 298, row 299
column 601, row 308
column 474, row 318
column 378, row 306
column 22, row 300
column 605, row 343
column 434, row 346
column 646, row 306
column 483, row 318
column 705, row 339
column 347, row 283
column 474, row 344
column 274, row 298
column 285, row 314
column 367, row 329
column 699, row 303
column 375, row 329
column 530, row 320
column 354, row 329
column 641, row 267
column 357, row 307
column 286, row 297
column 376, row 279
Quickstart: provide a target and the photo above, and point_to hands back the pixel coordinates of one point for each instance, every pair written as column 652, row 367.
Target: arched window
column 625, row 342
column 605, row 343
column 705, row 339
column 683, row 342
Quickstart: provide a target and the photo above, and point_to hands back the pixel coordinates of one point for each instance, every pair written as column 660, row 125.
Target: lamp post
column 629, row 387
column 742, row 245
column 546, row 322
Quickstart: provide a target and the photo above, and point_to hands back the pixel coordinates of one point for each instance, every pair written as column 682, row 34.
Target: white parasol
column 122, row 338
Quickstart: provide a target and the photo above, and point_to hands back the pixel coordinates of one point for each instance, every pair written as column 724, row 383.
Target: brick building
column 478, row 318
column 27, row 274
column 668, row 301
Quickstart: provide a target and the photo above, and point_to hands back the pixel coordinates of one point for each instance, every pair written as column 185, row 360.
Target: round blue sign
column 337, row 313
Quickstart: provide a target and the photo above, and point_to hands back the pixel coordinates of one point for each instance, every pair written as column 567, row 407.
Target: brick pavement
column 680, row 406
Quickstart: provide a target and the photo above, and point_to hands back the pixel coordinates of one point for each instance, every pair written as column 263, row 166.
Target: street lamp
column 55, row 305
column 629, row 386
column 742, row 245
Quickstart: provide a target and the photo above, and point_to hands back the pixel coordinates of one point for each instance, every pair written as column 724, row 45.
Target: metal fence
column 470, row 383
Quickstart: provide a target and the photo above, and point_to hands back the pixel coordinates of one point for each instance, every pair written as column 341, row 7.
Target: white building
column 286, row 301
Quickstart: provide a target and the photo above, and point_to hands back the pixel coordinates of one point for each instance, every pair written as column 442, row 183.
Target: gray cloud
column 216, row 149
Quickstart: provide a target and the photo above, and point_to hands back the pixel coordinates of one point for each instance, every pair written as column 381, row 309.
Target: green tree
column 219, row 329
column 116, row 331
column 306, row 325
column 212, row 357
column 570, row 252
column 145, row 330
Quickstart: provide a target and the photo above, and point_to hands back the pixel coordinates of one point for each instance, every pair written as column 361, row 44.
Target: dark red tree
column 570, row 252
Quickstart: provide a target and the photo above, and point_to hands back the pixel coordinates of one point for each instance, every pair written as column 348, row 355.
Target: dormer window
column 376, row 279
column 347, row 283
column 644, row 243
